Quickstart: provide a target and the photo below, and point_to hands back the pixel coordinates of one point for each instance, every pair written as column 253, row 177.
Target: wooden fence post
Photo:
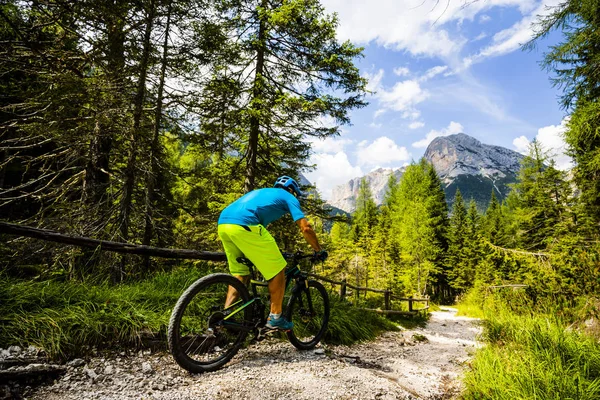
column 387, row 300
column 410, row 304
column 343, row 289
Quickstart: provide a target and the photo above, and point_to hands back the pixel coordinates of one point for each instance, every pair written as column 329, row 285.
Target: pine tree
column 289, row 73
column 574, row 63
column 541, row 194
column 364, row 222
column 494, row 225
column 438, row 212
column 416, row 224
column 458, row 242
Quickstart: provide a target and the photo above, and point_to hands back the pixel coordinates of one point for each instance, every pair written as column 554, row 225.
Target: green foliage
column 349, row 324
column 574, row 65
column 583, row 138
column 531, row 355
column 419, row 226
column 64, row 317
column 298, row 73
column 463, row 243
column 539, row 200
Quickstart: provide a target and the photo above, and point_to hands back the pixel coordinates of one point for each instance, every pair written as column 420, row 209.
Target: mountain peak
column 459, row 138
column 461, row 154
column 460, row 160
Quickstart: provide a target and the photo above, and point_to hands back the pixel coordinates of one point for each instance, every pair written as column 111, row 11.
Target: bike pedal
column 266, row 333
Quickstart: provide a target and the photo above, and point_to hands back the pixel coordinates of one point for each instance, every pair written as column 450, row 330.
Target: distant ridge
column 460, row 160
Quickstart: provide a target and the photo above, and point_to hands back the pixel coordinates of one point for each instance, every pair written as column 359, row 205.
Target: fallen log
column 107, row 245
column 32, row 371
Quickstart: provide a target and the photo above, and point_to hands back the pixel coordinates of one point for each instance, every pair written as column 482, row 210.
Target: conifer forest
column 139, row 121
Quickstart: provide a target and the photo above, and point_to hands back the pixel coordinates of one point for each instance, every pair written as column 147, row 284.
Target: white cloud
column 331, row 170
column 379, row 112
column 484, row 18
column 432, row 72
column 453, row 128
column 382, row 151
column 521, row 144
column 331, row 144
column 403, row 96
column 479, row 37
column 552, row 140
column 374, row 80
column 511, row 39
column 416, row 125
column 411, row 114
column 416, row 26
column 477, row 96
column 401, row 71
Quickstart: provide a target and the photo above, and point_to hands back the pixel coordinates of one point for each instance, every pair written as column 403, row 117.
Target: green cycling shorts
column 256, row 244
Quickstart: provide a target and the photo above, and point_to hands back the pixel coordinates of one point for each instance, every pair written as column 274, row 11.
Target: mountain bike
column 204, row 334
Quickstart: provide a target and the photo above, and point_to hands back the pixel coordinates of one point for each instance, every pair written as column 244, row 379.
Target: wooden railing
column 388, row 296
column 120, row 247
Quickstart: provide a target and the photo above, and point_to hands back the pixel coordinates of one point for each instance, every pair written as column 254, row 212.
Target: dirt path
column 424, row 363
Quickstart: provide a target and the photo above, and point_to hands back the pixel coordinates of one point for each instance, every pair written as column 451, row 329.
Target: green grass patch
column 348, row 324
column 531, row 355
column 68, row 318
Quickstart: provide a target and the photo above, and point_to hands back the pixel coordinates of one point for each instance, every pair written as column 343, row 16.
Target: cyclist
column 242, row 229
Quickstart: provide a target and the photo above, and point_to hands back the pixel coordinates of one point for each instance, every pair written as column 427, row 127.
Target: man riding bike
column 242, row 229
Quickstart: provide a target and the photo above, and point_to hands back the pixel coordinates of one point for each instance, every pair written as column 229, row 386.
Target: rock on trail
column 423, row 363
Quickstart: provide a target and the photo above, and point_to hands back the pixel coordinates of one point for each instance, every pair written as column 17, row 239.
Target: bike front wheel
column 204, row 334
column 308, row 309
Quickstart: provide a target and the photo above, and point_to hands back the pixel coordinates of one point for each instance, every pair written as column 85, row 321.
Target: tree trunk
column 135, row 135
column 250, row 182
column 96, row 171
column 96, row 177
column 154, row 147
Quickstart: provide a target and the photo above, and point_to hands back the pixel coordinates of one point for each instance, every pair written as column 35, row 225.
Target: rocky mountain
column 460, row 160
column 344, row 196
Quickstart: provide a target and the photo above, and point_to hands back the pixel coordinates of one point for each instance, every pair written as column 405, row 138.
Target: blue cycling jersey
column 261, row 206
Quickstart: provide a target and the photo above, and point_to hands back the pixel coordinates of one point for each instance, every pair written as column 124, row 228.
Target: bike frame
column 293, row 272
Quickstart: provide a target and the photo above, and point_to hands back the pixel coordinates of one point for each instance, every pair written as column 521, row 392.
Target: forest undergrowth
column 543, row 350
column 67, row 318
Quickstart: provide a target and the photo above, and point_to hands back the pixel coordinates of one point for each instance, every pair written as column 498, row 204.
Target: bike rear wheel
column 203, row 334
column 308, row 309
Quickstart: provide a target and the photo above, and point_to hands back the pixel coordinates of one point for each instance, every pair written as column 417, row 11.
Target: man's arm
column 309, row 234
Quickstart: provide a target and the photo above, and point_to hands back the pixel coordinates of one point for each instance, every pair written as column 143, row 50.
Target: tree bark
column 107, row 245
column 96, row 177
column 250, row 182
column 154, row 147
column 135, row 136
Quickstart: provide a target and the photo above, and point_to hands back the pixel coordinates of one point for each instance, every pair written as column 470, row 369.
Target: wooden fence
column 120, row 247
column 388, row 296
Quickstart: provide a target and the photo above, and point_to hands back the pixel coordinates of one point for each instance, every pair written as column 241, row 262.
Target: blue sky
column 439, row 68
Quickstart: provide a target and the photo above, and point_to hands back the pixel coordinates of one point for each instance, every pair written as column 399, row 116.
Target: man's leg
column 277, row 290
column 238, row 270
column 232, row 294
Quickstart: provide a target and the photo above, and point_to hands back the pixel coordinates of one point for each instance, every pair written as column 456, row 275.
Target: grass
column 532, row 355
column 348, row 324
column 68, row 318
column 65, row 318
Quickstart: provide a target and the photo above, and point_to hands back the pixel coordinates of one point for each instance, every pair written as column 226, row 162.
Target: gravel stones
column 393, row 366
column 147, row 368
column 14, row 350
column 78, row 362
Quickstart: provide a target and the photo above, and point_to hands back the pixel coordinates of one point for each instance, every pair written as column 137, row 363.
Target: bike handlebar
column 299, row 256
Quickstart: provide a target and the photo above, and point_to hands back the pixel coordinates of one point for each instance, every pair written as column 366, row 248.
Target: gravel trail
column 423, row 363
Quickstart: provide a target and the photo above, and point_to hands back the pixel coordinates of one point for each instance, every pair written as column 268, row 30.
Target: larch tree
column 292, row 79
